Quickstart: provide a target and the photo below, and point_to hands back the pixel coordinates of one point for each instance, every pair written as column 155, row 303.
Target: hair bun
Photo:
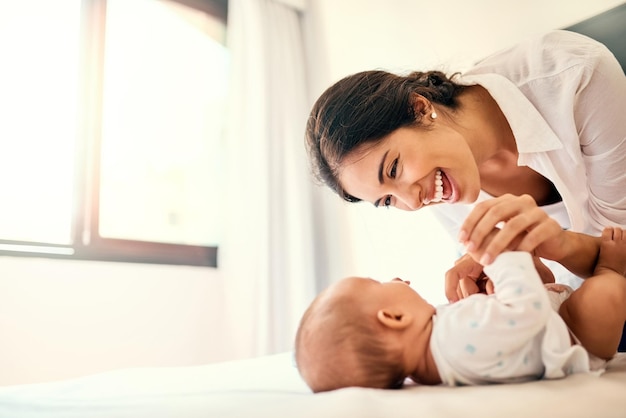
column 434, row 79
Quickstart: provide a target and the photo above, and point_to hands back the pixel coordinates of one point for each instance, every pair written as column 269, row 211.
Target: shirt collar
column 532, row 133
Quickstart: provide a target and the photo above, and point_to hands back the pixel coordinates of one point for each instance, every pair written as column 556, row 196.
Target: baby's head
column 353, row 335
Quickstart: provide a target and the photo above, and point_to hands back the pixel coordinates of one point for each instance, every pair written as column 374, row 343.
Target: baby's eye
column 394, row 167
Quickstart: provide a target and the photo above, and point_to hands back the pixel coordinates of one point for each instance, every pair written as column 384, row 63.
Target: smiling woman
column 531, row 132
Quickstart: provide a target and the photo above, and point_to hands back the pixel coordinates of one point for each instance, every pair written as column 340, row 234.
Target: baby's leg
column 596, row 311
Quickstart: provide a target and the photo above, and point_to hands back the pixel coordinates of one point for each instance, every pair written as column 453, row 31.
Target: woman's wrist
column 579, row 253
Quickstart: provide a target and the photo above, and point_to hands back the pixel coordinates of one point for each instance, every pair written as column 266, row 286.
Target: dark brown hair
column 363, row 108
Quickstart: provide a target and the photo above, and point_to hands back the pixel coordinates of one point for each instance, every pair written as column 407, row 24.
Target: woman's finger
column 514, row 235
column 492, row 213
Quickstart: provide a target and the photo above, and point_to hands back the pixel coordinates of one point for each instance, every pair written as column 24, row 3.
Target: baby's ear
column 393, row 318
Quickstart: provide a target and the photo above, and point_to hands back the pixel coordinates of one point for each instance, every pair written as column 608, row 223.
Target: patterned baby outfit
column 513, row 335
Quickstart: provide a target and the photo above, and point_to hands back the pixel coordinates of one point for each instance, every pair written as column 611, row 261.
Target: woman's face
column 413, row 167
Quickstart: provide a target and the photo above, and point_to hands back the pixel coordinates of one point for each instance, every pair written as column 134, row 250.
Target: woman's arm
column 526, row 228
column 599, row 106
column 575, row 251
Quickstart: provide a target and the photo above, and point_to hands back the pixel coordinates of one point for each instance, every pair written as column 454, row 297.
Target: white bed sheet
column 271, row 387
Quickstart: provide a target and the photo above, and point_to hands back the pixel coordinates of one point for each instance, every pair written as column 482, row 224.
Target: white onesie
column 513, row 335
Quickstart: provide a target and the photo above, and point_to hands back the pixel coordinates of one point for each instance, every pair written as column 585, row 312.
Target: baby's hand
column 465, row 279
column 485, row 285
column 461, row 279
column 467, row 276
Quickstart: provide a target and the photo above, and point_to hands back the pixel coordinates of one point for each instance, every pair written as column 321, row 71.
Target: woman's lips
column 449, row 190
column 444, row 190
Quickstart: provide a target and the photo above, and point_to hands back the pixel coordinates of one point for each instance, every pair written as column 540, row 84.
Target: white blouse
column 564, row 96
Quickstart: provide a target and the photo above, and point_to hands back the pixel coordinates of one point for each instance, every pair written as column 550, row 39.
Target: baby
column 360, row 332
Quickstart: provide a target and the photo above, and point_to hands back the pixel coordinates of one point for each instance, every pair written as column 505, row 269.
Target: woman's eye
column 387, row 201
column 394, row 167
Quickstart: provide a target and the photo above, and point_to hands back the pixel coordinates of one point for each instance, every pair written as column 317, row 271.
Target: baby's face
column 391, row 305
column 395, row 292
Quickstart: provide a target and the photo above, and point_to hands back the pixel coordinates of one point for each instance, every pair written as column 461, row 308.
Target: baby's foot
column 612, row 250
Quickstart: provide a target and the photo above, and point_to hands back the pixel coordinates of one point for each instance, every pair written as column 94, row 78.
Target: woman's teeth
column 438, row 187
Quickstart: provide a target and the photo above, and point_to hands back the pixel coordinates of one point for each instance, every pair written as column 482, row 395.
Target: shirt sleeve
column 599, row 116
column 520, row 304
column 505, row 323
column 579, row 89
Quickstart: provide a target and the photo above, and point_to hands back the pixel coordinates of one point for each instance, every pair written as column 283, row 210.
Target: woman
column 531, row 134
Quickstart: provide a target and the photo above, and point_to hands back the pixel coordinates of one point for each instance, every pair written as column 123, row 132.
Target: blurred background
column 157, row 206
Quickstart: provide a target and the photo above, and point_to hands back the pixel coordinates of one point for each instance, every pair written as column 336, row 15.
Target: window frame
column 87, row 244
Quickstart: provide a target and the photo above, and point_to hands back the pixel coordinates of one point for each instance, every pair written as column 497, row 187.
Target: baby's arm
column 520, row 298
column 489, row 336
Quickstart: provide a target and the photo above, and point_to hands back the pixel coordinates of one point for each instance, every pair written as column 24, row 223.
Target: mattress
column 270, row 386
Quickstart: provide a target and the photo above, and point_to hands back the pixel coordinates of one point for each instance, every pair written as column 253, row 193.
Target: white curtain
column 267, row 255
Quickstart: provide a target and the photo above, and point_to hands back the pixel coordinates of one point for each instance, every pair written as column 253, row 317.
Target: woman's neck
column 493, row 145
column 486, row 128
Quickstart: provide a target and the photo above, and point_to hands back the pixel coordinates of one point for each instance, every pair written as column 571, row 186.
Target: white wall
column 62, row 319
column 420, row 34
column 67, row 318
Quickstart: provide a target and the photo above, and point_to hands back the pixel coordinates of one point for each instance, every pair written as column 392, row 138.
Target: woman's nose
column 410, row 197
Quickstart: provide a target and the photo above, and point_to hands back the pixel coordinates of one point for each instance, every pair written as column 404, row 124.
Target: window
column 112, row 129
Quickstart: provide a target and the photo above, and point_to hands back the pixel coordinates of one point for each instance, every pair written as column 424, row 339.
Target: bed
column 271, row 387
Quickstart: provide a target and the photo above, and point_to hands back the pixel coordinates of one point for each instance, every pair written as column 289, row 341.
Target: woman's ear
column 393, row 318
column 421, row 106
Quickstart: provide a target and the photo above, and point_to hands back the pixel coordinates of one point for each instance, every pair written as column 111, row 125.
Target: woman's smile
column 449, row 192
column 412, row 168
column 437, row 196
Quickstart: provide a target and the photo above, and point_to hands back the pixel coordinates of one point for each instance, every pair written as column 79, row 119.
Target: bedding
column 271, row 387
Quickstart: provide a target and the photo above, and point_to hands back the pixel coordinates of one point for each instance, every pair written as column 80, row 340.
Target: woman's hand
column 516, row 223
column 523, row 226
column 467, row 276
